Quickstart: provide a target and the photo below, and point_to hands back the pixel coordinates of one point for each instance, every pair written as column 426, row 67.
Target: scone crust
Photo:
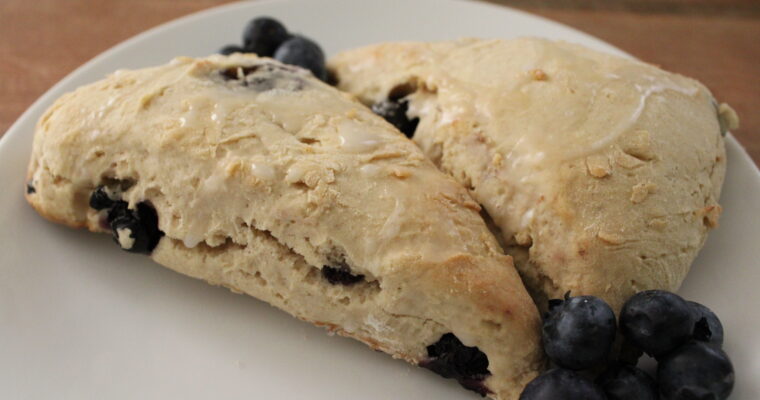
column 261, row 175
column 602, row 174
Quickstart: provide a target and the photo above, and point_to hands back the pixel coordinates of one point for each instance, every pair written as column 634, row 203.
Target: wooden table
column 714, row 41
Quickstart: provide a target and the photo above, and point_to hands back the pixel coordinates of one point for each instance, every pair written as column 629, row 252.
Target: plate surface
column 81, row 319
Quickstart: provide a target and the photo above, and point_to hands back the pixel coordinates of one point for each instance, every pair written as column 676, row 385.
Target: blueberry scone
column 602, row 174
column 254, row 175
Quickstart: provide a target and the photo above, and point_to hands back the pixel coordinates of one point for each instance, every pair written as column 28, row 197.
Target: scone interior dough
column 602, row 174
column 262, row 176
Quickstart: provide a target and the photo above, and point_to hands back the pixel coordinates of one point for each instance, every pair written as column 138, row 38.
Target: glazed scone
column 254, row 175
column 601, row 173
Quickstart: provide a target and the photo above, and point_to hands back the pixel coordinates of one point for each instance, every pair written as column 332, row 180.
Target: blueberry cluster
column 135, row 230
column 684, row 337
column 268, row 37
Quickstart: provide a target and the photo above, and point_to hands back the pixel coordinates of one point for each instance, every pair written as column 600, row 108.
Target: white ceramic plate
column 81, row 319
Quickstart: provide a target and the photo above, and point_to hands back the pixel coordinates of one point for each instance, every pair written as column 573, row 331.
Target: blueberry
column 624, row 382
column 578, row 332
column 340, row 275
column 231, row 48
column 696, row 370
column 304, row 53
column 629, row 354
column 100, row 199
column 656, row 321
column 708, row 327
column 394, row 111
column 450, row 358
column 563, row 384
column 137, row 230
column 263, row 35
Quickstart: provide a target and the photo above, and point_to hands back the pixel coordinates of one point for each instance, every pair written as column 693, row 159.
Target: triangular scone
column 267, row 181
column 602, row 173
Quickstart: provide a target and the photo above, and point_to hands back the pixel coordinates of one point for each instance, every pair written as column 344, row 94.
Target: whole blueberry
column 230, row 49
column 136, row 230
column 263, row 35
column 578, row 331
column 563, row 384
column 394, row 111
column 707, row 327
column 696, row 370
column 624, row 382
column 656, row 321
column 304, row 53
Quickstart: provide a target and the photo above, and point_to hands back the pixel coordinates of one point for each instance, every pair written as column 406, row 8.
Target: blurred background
column 714, row 41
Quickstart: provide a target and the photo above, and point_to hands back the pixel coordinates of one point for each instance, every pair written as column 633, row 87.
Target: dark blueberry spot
column 556, row 302
column 561, row 384
column 230, row 49
column 119, row 209
column 400, row 91
column 100, row 199
column 450, row 358
column 304, row 53
column 708, row 327
column 263, row 35
column 578, row 331
column 340, row 275
column 332, row 79
column 134, row 230
column 624, row 382
column 696, row 370
column 394, row 111
column 656, row 321
column 30, row 188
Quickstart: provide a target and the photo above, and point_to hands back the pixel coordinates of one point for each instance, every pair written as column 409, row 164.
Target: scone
column 256, row 176
column 601, row 173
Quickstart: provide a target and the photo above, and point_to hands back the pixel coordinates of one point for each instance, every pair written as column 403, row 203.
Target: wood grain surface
column 714, row 41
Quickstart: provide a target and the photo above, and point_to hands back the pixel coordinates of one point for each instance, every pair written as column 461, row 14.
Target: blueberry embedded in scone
column 450, row 358
column 254, row 175
column 340, row 275
column 395, row 112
